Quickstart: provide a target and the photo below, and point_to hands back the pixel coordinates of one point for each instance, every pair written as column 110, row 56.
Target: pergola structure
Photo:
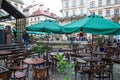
column 16, row 15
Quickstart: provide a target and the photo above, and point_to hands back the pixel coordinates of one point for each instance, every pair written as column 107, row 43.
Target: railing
column 9, row 46
column 60, row 44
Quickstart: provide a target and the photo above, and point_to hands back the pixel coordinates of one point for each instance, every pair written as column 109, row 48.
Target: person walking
column 25, row 38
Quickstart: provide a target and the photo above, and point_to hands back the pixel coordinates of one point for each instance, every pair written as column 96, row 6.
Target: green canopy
column 34, row 32
column 93, row 24
column 45, row 26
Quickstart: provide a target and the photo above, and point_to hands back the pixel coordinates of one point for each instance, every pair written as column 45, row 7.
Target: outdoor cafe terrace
column 73, row 61
column 42, row 62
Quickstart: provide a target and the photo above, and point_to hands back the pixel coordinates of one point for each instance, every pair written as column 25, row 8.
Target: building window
column 116, row 1
column 92, row 12
column 35, row 18
column 74, row 2
column 38, row 18
column 100, row 13
column 116, row 11
column 21, row 7
column 31, row 19
column 81, row 2
column 16, row 5
column 66, row 4
column 108, row 13
column 108, row 2
column 66, row 14
column 99, row 3
column 73, row 12
column 92, row 4
column 81, row 12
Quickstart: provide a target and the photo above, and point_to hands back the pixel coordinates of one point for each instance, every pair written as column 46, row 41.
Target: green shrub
column 63, row 67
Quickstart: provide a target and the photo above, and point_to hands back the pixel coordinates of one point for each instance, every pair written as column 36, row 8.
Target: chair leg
column 75, row 75
column 24, row 78
column 81, row 76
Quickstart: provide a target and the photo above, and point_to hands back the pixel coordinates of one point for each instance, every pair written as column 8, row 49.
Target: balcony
column 116, row 17
column 73, row 6
column 71, row 18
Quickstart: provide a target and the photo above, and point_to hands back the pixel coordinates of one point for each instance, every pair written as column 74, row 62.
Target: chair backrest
column 19, row 67
column 40, row 72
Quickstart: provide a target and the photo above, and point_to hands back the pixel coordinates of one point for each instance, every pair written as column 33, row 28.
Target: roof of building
column 45, row 13
column 11, row 10
column 18, row 1
column 30, row 6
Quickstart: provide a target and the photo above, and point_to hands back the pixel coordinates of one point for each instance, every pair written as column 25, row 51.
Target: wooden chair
column 82, row 68
column 109, row 67
column 10, row 58
column 18, row 70
column 40, row 73
column 67, row 54
column 98, row 71
column 53, row 63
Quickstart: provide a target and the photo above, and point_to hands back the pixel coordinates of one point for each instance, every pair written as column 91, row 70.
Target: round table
column 33, row 61
column 92, row 59
column 67, row 49
column 84, row 55
column 5, row 52
column 99, row 54
column 54, row 53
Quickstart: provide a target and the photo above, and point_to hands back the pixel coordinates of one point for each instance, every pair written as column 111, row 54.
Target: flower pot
column 101, row 49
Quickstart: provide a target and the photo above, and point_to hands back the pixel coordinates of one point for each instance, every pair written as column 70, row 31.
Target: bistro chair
column 18, row 70
column 40, row 73
column 10, row 58
column 67, row 54
column 109, row 67
column 53, row 62
column 82, row 68
column 98, row 71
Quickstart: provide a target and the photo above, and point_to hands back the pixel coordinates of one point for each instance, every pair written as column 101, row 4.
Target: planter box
column 4, row 74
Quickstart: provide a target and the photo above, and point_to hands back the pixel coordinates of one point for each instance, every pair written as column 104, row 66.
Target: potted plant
column 40, row 49
column 35, row 49
column 63, row 67
column 110, row 40
column 101, row 43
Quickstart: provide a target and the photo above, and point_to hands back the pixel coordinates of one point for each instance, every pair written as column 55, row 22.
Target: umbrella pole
column 91, row 47
column 47, row 50
column 92, row 39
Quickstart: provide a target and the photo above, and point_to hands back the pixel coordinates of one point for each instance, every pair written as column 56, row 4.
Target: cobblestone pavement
column 56, row 76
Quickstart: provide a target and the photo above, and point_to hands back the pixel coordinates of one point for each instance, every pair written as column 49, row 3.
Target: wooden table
column 99, row 54
column 5, row 52
column 55, row 53
column 33, row 61
column 67, row 49
column 92, row 59
column 84, row 55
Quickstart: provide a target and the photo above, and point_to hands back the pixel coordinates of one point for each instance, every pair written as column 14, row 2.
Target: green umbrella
column 48, row 26
column 93, row 24
column 34, row 32
column 45, row 26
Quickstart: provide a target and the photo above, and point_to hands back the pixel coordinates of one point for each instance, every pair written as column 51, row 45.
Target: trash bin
column 4, row 73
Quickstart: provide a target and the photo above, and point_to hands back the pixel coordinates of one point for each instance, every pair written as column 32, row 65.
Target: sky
column 54, row 5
